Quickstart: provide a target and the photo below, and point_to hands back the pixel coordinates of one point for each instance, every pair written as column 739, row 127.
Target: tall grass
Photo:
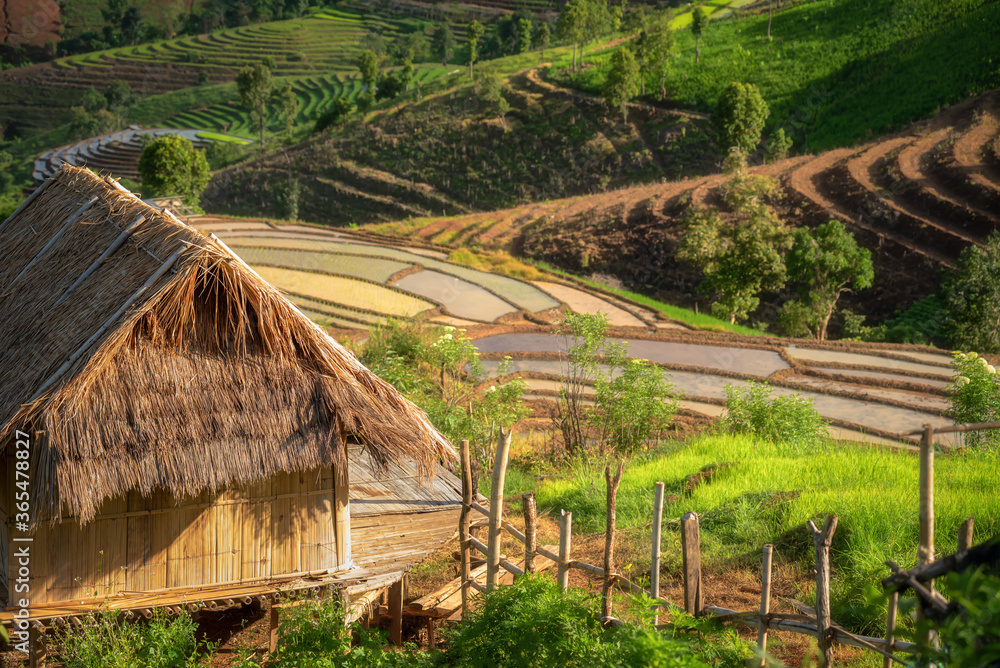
column 769, row 491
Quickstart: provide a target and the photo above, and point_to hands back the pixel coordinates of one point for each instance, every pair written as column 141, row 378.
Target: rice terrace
column 518, row 333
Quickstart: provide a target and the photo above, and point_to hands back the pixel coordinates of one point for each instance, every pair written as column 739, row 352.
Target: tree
column 777, row 146
column 406, row 73
column 661, row 52
column 622, row 83
column 572, row 25
column 333, row 114
column 524, row 35
column 119, row 99
column 289, row 106
column 491, row 89
column 473, row 34
column 368, row 66
column 443, row 43
column 542, row 36
column 254, row 83
column 825, row 264
column 740, row 117
column 972, row 299
column 170, row 165
column 698, row 23
column 741, row 254
column 390, row 87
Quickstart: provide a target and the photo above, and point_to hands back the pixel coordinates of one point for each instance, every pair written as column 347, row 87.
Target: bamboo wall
column 279, row 526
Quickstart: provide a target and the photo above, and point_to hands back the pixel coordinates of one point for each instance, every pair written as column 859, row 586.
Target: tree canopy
column 972, row 299
column 622, row 83
column 740, row 117
column 255, row 85
column 170, row 165
column 443, row 43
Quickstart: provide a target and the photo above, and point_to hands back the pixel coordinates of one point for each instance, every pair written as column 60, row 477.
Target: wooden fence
column 813, row 622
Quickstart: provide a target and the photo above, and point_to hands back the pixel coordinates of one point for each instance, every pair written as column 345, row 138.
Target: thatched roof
column 171, row 364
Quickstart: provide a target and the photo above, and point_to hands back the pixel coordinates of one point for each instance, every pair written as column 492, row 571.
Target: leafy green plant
column 789, row 418
column 171, row 165
column 971, row 637
column 533, row 623
column 634, row 407
column 975, row 397
column 740, row 117
column 107, row 640
column 972, row 298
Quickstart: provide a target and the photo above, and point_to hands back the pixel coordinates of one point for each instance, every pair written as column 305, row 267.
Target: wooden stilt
column 612, row 482
column 273, row 642
column 36, row 647
column 691, row 558
column 463, row 525
column 396, row 613
column 765, row 603
column 431, row 633
column 965, row 534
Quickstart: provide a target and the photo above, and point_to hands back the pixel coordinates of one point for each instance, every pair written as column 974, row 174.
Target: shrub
column 972, row 298
column 788, row 418
column 972, row 637
column 975, row 397
column 534, row 623
column 170, row 165
column 106, row 640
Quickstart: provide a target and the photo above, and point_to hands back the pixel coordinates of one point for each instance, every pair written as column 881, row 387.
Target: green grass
column 836, row 71
column 769, row 492
column 214, row 136
column 678, row 313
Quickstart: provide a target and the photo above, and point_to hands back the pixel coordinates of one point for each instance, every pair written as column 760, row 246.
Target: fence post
column 765, row 602
column 925, row 552
column 565, row 541
column 612, row 482
column 496, row 510
column 463, row 525
column 822, row 539
column 654, row 569
column 890, row 627
column 691, row 556
column 396, row 595
column 530, row 535
column 965, row 534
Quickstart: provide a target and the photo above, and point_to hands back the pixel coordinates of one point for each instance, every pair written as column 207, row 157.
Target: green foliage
column 443, row 43
column 500, row 405
column 108, row 640
column 333, row 114
column 368, row 65
column 633, row 409
column 740, row 256
column 921, row 323
column 972, row 298
column 289, row 106
column 255, row 84
column 490, row 89
column 533, row 623
column 740, row 117
column 170, row 165
column 970, row 637
column 583, row 21
column 777, row 147
column 473, row 34
column 699, row 21
column 787, row 418
column 622, row 83
column 824, row 263
column 313, row 635
column 975, row 397
column 221, row 154
column 542, row 36
column 524, row 35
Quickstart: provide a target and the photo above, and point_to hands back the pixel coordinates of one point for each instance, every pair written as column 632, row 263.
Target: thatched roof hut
column 140, row 358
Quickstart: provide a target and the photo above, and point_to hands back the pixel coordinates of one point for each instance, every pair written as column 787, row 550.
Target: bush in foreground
column 789, row 418
column 532, row 623
column 107, row 640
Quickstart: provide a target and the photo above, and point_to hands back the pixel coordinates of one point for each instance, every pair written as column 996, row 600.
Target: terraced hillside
column 448, row 154
column 915, row 198
column 351, row 281
column 39, row 96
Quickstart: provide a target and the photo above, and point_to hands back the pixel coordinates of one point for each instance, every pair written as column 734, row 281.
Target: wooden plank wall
column 278, row 526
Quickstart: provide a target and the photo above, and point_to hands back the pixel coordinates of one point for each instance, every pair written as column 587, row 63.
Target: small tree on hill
column 333, row 114
column 523, row 35
column 542, row 37
column 443, row 43
column 572, row 25
column 289, row 105
column 661, row 52
column 741, row 254
column 491, row 89
column 972, row 299
column 622, row 83
column 740, row 117
column 255, row 84
column 699, row 21
column 368, row 66
column 825, row 264
column 473, row 34
column 170, row 165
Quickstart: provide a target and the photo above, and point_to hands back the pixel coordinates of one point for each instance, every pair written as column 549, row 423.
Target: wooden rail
column 817, row 623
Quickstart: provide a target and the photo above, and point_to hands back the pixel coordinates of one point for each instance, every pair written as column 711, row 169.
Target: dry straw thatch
column 172, row 364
